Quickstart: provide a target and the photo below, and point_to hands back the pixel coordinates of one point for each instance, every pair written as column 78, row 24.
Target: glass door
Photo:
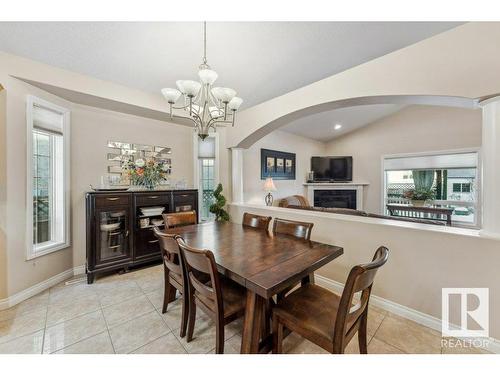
column 112, row 235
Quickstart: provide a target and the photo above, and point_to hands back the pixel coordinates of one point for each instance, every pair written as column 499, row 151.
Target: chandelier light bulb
column 207, row 76
column 235, row 103
column 172, row 95
column 224, row 94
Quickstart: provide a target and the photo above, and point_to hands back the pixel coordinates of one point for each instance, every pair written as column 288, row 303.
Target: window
column 206, row 169
column 48, row 177
column 461, row 188
column 452, row 178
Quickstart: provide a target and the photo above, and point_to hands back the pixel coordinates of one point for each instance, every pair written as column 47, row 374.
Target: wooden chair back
column 297, row 229
column 178, row 219
column 360, row 280
column 198, row 263
column 256, row 221
column 170, row 252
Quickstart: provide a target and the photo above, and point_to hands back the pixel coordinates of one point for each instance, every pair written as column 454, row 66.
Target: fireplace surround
column 339, row 195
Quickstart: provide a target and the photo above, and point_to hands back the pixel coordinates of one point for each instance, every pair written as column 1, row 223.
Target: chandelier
column 204, row 105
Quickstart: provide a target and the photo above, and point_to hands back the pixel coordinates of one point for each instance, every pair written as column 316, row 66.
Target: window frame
column 479, row 193
column 33, row 251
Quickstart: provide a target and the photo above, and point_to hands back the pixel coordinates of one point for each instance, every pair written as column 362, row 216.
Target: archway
column 446, row 101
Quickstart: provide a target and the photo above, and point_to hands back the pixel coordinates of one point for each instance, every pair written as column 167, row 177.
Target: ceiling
column 261, row 60
column 320, row 126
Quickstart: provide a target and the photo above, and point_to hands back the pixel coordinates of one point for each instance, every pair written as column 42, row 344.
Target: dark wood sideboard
column 115, row 238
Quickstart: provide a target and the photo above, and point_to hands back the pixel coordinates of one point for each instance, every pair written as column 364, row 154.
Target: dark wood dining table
column 263, row 263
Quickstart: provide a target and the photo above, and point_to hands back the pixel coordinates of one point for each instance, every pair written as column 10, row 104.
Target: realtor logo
column 471, row 319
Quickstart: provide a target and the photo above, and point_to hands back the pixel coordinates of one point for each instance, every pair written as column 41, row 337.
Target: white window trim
column 479, row 175
column 196, row 165
column 51, row 246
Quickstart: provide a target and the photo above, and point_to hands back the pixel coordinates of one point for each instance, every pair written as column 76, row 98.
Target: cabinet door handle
column 153, row 241
column 112, row 198
column 153, row 197
column 126, row 233
column 184, row 195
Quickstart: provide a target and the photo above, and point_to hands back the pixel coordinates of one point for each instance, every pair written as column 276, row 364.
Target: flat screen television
column 332, row 168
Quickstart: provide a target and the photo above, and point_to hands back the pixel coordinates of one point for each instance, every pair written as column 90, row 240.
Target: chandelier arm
column 186, row 118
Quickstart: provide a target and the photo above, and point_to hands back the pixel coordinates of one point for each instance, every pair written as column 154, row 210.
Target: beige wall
column 91, row 128
column 421, row 262
column 3, row 193
column 413, row 129
column 22, row 274
column 304, row 148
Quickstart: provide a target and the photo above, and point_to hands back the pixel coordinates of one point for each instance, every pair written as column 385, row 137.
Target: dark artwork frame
column 277, row 164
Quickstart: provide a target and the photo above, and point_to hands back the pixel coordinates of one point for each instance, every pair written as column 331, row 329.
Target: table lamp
column 268, row 187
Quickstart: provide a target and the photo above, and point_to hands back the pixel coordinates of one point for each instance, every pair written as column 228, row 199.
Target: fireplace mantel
column 358, row 186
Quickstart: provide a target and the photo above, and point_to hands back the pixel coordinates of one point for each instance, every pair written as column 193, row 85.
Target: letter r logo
column 473, row 309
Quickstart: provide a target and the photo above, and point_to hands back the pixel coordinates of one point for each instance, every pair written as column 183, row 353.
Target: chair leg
column 219, row 345
column 192, row 319
column 362, row 340
column 185, row 312
column 166, row 290
column 277, row 336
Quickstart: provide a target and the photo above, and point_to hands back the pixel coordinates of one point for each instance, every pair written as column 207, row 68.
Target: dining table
column 263, row 263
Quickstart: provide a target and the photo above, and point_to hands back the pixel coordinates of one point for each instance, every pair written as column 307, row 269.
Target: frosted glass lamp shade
column 224, row 94
column 188, row 87
column 269, row 185
column 207, row 76
column 172, row 95
column 235, row 103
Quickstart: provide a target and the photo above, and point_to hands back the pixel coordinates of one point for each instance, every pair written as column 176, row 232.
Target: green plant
column 421, row 194
column 217, row 208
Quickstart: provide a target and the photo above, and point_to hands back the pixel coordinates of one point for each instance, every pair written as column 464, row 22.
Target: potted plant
column 146, row 173
column 218, row 207
column 419, row 196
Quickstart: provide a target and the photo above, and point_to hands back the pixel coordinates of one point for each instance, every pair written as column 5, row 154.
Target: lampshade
column 235, row 103
column 188, row 87
column 224, row 94
column 269, row 185
column 207, row 76
column 171, row 94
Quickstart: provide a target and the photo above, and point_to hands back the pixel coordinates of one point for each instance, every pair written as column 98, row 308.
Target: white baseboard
column 400, row 310
column 40, row 287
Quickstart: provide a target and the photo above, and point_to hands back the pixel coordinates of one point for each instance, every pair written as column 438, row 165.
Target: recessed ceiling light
column 337, row 127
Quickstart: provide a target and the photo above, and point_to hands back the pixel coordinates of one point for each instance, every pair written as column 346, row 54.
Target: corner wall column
column 237, row 174
column 490, row 180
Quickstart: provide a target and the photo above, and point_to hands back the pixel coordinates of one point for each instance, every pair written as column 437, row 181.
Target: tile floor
column 122, row 314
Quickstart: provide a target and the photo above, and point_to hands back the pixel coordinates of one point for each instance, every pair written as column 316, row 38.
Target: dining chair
column 178, row 219
column 325, row 318
column 256, row 221
column 174, row 271
column 297, row 229
column 220, row 298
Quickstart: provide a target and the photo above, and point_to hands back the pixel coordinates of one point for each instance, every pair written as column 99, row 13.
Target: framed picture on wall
column 270, row 165
column 279, row 165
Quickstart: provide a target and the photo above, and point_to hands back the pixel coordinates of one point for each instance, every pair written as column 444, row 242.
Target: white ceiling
column 320, row 126
column 261, row 60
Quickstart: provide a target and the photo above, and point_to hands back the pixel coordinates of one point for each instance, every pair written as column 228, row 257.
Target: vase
column 418, row 203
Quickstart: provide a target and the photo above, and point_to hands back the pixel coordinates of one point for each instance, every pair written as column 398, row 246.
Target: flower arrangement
column 146, row 173
column 420, row 195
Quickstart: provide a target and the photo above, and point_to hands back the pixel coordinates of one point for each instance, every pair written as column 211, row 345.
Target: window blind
column 444, row 161
column 47, row 120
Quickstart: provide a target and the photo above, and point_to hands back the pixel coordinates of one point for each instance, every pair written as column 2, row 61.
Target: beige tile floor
column 122, row 314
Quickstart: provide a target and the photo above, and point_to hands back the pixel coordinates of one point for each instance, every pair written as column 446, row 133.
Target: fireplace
column 338, row 198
